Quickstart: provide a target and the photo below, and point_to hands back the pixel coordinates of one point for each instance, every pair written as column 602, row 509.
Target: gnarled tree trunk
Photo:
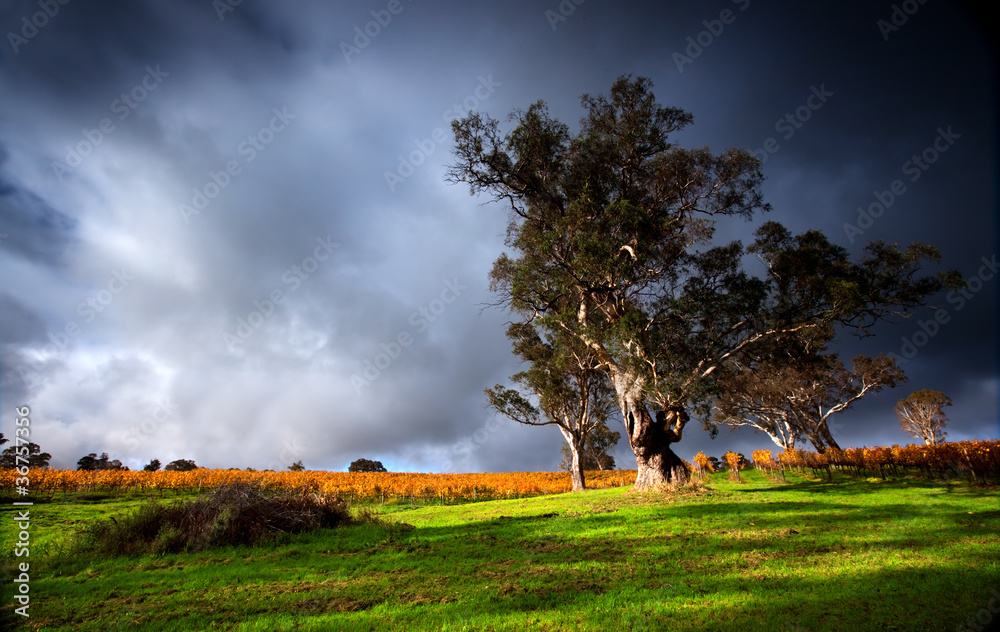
column 650, row 438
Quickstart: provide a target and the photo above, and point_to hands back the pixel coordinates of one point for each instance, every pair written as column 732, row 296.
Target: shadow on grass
column 731, row 560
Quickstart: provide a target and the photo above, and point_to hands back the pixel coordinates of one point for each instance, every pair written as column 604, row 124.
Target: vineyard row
column 977, row 461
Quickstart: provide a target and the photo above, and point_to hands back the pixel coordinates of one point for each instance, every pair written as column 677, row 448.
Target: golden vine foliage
column 762, row 460
column 980, row 458
column 357, row 485
column 733, row 460
column 703, row 464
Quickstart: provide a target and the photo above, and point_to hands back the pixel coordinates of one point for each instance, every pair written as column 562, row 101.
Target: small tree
column 572, row 393
column 297, row 466
column 364, row 465
column 32, row 452
column 921, row 416
column 181, row 465
column 152, row 466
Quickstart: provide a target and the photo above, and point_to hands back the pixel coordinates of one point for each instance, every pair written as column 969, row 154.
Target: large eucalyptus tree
column 610, row 240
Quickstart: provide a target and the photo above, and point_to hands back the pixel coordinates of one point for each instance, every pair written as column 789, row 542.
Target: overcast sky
column 214, row 217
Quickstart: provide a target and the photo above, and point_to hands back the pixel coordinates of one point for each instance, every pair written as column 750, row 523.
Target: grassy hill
column 798, row 556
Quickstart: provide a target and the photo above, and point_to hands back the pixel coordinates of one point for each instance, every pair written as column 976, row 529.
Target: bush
column 235, row 515
column 181, row 465
column 36, row 458
column 364, row 465
column 92, row 462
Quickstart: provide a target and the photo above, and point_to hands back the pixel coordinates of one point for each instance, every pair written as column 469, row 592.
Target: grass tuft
column 235, row 515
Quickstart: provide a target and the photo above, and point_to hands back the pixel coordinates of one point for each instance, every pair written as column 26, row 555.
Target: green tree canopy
column 364, row 465
column 31, row 455
column 103, row 462
column 181, row 465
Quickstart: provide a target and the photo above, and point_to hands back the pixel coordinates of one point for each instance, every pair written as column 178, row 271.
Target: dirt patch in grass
column 324, row 605
column 526, row 518
column 423, row 598
column 560, row 589
column 93, row 497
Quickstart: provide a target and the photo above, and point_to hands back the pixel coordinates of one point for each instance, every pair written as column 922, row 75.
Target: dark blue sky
column 215, row 217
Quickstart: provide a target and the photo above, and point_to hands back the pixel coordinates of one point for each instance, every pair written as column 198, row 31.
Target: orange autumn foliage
column 358, row 485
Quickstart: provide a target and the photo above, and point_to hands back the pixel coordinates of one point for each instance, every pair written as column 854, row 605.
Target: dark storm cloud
column 227, row 147
column 31, row 227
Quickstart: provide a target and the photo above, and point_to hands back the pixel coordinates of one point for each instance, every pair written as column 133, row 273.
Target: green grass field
column 799, row 556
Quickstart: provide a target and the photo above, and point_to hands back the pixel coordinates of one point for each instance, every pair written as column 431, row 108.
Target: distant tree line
column 30, row 452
